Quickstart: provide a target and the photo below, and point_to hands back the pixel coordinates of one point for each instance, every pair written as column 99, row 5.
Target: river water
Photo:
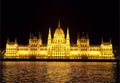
column 58, row 72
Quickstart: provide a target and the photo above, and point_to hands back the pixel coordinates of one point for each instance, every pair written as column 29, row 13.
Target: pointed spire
column 110, row 40
column 67, row 30
column 15, row 40
column 67, row 36
column 59, row 23
column 102, row 39
column 39, row 36
column 49, row 35
column 78, row 39
column 7, row 40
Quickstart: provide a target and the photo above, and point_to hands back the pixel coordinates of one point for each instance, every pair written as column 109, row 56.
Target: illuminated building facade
column 59, row 47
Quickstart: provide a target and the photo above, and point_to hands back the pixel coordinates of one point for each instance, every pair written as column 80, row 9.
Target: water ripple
column 58, row 72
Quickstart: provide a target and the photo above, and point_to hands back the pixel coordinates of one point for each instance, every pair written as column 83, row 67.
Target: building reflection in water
column 85, row 72
column 58, row 72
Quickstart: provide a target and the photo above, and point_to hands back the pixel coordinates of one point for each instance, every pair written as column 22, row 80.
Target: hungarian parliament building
column 59, row 47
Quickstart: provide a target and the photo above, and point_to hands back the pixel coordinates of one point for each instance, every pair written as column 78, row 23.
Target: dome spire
column 59, row 23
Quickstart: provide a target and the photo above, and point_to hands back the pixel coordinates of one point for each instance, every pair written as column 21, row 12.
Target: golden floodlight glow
column 59, row 47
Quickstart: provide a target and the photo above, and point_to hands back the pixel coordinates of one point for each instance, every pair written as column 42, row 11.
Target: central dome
column 59, row 30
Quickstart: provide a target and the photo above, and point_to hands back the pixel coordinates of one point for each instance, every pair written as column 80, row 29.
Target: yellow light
column 59, row 46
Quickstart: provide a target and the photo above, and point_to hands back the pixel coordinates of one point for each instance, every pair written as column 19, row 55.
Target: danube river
column 58, row 72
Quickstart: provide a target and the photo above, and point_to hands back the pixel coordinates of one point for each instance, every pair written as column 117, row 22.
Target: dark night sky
column 97, row 17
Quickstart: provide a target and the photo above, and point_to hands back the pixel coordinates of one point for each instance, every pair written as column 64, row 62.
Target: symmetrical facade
column 59, row 47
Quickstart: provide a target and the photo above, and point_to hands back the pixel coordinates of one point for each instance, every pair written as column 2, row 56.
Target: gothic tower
column 49, row 43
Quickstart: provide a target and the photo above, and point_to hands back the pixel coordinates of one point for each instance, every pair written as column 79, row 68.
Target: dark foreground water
column 59, row 72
